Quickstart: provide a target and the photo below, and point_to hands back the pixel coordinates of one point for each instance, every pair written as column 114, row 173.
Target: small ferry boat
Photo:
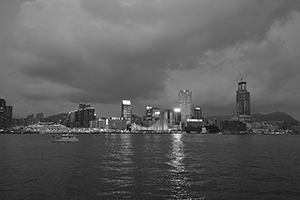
column 65, row 138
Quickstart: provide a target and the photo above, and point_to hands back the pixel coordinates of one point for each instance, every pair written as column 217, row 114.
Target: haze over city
column 57, row 53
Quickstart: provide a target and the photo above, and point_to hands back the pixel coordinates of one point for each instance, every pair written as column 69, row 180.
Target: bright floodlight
column 176, row 109
column 126, row 102
column 148, row 107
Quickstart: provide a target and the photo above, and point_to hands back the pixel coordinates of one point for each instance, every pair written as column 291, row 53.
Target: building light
column 176, row 109
column 126, row 102
column 194, row 120
column 148, row 107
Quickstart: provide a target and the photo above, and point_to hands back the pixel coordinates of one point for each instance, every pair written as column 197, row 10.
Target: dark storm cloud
column 104, row 51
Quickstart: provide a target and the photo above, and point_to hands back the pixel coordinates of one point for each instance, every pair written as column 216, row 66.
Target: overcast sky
column 57, row 53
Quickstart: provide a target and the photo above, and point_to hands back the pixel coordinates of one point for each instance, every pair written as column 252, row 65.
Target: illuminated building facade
column 242, row 99
column 197, row 113
column 126, row 111
column 5, row 114
column 148, row 112
column 152, row 113
column 169, row 116
column 2, row 113
column 185, row 104
column 117, row 123
column 177, row 116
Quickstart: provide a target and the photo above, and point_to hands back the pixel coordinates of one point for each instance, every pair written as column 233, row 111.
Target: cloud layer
column 105, row 51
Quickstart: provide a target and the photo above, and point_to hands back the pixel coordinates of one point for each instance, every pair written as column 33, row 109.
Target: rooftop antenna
column 240, row 75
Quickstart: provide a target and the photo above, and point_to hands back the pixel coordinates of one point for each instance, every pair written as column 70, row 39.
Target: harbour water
column 150, row 166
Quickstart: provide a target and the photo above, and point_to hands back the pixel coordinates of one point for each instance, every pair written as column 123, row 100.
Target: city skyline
column 54, row 54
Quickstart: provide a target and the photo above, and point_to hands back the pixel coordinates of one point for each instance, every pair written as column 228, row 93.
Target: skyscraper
column 5, row 114
column 2, row 113
column 177, row 116
column 185, row 104
column 197, row 113
column 126, row 111
column 9, row 112
column 242, row 99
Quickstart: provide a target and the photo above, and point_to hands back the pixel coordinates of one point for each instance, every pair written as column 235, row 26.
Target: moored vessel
column 65, row 138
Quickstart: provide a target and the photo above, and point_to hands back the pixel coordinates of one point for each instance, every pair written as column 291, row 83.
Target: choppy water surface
column 146, row 166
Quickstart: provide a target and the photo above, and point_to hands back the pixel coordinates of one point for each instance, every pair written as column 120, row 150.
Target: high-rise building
column 126, row 111
column 177, row 116
column 82, row 117
column 197, row 113
column 88, row 115
column 242, row 99
column 5, row 114
column 84, row 105
column 148, row 112
column 8, row 113
column 185, row 104
column 152, row 113
column 169, row 116
column 2, row 113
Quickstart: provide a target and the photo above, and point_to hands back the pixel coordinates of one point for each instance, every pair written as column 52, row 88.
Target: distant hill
column 279, row 116
column 275, row 116
column 56, row 118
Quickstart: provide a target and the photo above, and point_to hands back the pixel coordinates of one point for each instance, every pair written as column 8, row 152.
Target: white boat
column 65, row 138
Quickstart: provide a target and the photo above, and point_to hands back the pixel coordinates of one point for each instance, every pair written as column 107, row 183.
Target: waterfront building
column 5, row 114
column 195, row 126
column 148, row 112
column 152, row 113
column 185, row 104
column 242, row 99
column 72, row 119
column 2, row 113
column 126, row 111
column 177, row 116
column 169, row 116
column 8, row 113
column 160, row 125
column 88, row 115
column 117, row 123
column 197, row 113
column 100, row 123
column 81, row 118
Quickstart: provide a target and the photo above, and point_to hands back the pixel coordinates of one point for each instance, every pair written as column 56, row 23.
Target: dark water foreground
column 133, row 166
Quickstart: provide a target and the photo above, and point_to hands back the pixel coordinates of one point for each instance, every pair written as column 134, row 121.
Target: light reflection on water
column 141, row 166
column 177, row 172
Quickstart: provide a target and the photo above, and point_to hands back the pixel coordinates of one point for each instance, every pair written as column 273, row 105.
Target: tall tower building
column 126, row 111
column 2, row 113
column 197, row 113
column 185, row 104
column 177, row 116
column 9, row 112
column 83, row 105
column 242, row 99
